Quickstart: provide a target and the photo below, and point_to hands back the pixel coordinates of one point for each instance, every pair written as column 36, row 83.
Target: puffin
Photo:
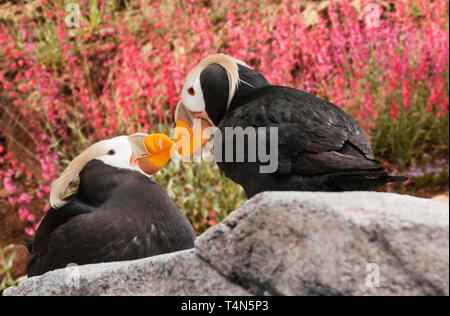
column 118, row 212
column 319, row 147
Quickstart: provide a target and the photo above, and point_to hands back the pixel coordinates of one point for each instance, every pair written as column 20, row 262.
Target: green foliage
column 201, row 191
column 431, row 179
column 6, row 264
column 414, row 132
column 403, row 134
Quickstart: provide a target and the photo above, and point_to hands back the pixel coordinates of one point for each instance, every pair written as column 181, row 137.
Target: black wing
column 315, row 136
column 132, row 224
column 54, row 219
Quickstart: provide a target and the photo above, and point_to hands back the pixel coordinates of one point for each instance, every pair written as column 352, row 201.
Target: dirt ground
column 12, row 232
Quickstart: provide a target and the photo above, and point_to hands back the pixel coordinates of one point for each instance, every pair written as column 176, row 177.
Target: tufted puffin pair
column 319, row 146
column 118, row 213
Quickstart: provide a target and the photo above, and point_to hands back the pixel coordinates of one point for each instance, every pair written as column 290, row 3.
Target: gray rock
column 288, row 243
column 179, row 273
column 322, row 243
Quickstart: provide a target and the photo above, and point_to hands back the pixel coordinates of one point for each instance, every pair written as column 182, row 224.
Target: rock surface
column 288, row 243
column 180, row 273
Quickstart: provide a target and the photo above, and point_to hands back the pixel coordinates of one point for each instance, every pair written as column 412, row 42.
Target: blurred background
column 68, row 80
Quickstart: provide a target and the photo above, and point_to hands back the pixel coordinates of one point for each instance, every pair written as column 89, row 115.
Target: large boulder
column 288, row 243
column 179, row 273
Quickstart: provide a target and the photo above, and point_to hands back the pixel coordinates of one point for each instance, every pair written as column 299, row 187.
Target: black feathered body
column 320, row 147
column 116, row 215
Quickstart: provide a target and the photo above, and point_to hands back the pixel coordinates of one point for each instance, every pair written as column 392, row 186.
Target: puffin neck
column 100, row 182
column 97, row 182
column 250, row 81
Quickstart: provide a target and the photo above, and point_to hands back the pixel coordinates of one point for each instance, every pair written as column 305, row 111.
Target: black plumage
column 116, row 214
column 320, row 147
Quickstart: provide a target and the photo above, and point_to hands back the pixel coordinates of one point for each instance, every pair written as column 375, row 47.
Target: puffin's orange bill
column 152, row 152
column 158, row 147
column 188, row 139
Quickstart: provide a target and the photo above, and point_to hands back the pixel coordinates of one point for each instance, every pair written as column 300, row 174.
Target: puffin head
column 211, row 89
column 211, row 86
column 208, row 89
column 116, row 152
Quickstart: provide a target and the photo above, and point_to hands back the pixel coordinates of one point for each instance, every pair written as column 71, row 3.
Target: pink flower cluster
column 343, row 59
column 76, row 86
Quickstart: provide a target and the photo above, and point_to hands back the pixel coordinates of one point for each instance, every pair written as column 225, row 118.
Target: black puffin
column 320, row 147
column 118, row 213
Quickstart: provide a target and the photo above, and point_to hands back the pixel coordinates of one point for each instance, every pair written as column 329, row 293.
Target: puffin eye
column 112, row 152
column 191, row 91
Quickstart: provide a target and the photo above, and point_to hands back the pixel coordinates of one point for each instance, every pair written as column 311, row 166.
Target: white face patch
column 117, row 153
column 192, row 96
column 197, row 104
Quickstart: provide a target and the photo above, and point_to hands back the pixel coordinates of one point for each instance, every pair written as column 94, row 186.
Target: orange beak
column 188, row 139
column 150, row 152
